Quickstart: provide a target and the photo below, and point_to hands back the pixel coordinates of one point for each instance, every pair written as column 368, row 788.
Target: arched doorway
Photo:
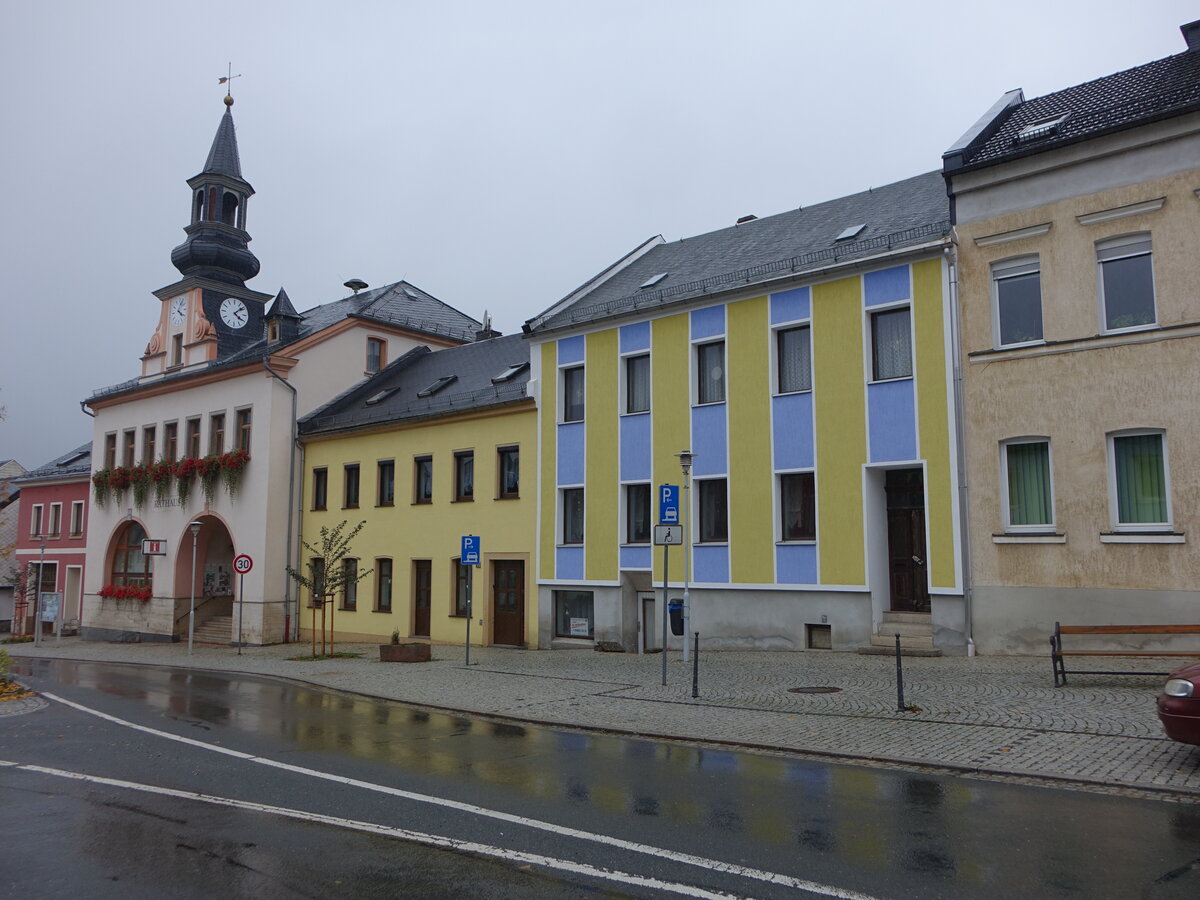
column 209, row 580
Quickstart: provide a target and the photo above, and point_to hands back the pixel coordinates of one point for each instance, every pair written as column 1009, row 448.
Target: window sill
column 570, row 421
column 724, row 543
column 422, row 503
column 1021, row 345
column 463, row 500
column 384, row 505
column 803, row 542
column 457, row 615
column 351, row 506
column 1029, row 537
column 807, row 390
column 509, row 497
column 387, row 612
column 575, row 544
column 1149, row 326
column 636, row 544
column 1143, row 537
column 708, row 403
column 890, row 380
column 319, row 509
column 635, row 412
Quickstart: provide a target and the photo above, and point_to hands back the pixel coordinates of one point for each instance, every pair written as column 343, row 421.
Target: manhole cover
column 822, row 689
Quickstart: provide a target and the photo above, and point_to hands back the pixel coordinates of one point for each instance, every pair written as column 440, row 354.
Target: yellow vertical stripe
column 751, row 529
column 840, row 420
column 671, row 402
column 601, row 480
column 933, row 418
column 548, row 464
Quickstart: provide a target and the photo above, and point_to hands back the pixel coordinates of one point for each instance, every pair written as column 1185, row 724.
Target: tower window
column 198, row 207
column 229, row 206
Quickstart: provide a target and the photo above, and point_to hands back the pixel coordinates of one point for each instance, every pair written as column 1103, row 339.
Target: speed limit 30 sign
column 242, row 564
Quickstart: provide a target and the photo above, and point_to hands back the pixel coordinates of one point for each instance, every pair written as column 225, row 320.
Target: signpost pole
column 470, row 556
column 470, row 611
column 666, row 600
column 241, row 608
column 37, row 597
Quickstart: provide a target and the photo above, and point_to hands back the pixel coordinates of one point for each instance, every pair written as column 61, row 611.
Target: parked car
column 1179, row 704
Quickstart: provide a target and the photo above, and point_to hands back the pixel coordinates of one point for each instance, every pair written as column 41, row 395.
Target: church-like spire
column 216, row 244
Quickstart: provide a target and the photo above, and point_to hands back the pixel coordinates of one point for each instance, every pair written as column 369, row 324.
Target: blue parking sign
column 668, row 504
column 470, row 550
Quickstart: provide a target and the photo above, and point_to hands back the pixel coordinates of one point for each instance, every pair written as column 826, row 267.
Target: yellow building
column 426, row 452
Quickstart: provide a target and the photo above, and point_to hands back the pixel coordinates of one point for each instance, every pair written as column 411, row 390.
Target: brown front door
column 422, row 584
column 906, row 540
column 508, row 602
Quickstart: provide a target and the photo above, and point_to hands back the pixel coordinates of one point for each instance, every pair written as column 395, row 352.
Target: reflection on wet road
column 893, row 834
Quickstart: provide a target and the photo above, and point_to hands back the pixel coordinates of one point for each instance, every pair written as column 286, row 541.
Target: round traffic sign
column 242, row 564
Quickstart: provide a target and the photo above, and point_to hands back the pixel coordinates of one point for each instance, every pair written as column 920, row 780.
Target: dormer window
column 376, row 355
column 273, row 331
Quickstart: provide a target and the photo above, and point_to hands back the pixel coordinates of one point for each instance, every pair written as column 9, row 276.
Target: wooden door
column 422, row 592
column 906, row 541
column 508, row 602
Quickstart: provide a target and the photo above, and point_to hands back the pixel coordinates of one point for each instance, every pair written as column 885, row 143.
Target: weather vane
column 227, row 78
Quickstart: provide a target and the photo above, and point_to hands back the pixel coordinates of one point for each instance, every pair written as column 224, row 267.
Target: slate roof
column 904, row 214
column 223, row 155
column 473, row 367
column 400, row 304
column 73, row 463
column 1158, row 90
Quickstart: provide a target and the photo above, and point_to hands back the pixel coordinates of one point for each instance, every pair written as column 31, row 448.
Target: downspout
column 964, row 525
column 288, row 624
column 83, row 406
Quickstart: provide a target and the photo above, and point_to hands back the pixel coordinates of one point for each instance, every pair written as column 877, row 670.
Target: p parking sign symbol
column 470, row 550
column 668, row 504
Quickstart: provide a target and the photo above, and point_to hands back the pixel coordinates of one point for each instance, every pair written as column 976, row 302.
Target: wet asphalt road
column 776, row 825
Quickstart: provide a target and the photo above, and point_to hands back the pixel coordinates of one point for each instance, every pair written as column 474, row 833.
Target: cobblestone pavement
column 994, row 715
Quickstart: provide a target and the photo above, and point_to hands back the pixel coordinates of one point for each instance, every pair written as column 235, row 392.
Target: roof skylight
column 1038, row 130
column 850, row 233
column 653, row 281
column 382, row 395
column 75, row 457
column 509, row 373
column 437, row 385
column 411, row 295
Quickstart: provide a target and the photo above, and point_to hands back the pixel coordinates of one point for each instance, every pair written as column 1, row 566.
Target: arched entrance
column 210, row 580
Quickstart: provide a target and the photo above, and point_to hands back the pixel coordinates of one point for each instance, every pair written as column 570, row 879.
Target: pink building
column 52, row 540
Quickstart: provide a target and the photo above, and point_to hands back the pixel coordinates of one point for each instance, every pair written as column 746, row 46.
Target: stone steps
column 916, row 635
column 216, row 630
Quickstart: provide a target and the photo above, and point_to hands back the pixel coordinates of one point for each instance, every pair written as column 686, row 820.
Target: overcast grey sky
column 494, row 154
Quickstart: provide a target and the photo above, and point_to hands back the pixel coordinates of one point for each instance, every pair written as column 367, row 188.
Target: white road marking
column 813, row 887
column 420, row 837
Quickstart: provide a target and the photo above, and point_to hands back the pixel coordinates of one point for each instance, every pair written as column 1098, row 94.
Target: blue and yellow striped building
column 805, row 360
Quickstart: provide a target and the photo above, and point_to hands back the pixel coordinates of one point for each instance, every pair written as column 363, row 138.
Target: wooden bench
column 1057, row 652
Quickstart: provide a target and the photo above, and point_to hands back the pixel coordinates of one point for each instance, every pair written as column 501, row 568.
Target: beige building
column 1078, row 230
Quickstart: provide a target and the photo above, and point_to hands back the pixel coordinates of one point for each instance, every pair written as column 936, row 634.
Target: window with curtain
column 795, row 359
column 891, row 344
column 714, row 510
column 1027, row 474
column 637, row 383
column 573, row 397
column 572, row 515
column 637, row 513
column 1141, row 480
column 798, row 507
column 710, row 372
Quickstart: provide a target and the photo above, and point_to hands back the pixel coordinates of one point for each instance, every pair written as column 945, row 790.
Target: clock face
column 233, row 312
column 178, row 310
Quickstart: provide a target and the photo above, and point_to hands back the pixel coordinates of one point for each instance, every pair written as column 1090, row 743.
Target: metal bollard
column 696, row 666
column 900, row 707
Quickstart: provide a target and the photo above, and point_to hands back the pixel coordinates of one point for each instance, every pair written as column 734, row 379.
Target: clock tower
column 209, row 313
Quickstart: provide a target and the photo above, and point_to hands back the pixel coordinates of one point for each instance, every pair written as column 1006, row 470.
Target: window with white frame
column 637, row 383
column 1017, row 300
column 637, row 513
column 35, row 520
column 1027, row 486
column 714, row 510
column 710, row 372
column 1139, row 481
column 573, row 395
column 793, row 348
column 891, row 344
column 77, row 518
column 55, row 529
column 797, row 506
column 572, row 515
column 1126, row 281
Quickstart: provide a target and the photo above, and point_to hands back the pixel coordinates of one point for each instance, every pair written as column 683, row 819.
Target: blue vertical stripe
column 710, row 564
column 569, row 563
column 788, row 306
column 792, row 426
column 891, row 412
column 708, row 322
column 635, row 337
column 796, row 563
column 635, row 447
column 570, row 453
column 570, row 350
column 887, row 286
column 709, row 441
column 636, row 557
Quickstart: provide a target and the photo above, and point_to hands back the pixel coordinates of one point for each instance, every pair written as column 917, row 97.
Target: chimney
column 486, row 333
column 1191, row 34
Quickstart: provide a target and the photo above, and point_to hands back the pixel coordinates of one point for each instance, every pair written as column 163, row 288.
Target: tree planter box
column 404, row 652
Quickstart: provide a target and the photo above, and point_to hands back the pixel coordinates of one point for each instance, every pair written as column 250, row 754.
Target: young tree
column 326, row 575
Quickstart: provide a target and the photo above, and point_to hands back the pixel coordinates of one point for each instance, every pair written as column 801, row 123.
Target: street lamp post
column 685, row 463
column 37, row 596
column 195, row 529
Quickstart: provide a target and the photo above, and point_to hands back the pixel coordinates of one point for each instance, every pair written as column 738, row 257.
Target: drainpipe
column 83, row 406
column 287, row 591
column 964, row 525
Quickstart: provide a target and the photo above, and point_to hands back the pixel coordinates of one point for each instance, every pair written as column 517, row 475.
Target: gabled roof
column 904, row 214
column 394, row 394
column 1138, row 96
column 73, row 463
column 282, row 307
column 399, row 305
